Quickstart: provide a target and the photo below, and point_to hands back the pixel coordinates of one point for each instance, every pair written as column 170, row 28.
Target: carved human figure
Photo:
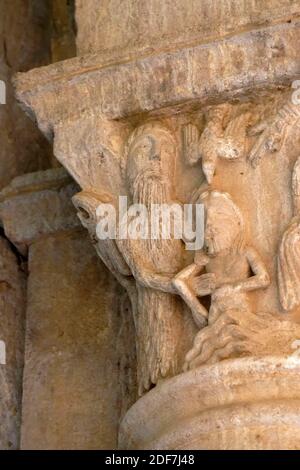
column 150, row 173
column 232, row 267
column 289, row 252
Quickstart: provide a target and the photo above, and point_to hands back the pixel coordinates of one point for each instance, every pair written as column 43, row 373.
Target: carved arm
column 261, row 278
column 187, row 293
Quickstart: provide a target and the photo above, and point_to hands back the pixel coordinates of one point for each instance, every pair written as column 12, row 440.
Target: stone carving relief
column 289, row 254
column 272, row 132
column 228, row 261
column 193, row 122
column 233, row 269
column 191, row 309
column 150, row 175
column 223, row 137
column 146, row 267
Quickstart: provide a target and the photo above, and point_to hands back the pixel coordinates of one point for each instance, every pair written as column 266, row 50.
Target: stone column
column 73, row 375
column 12, row 319
column 24, row 44
column 192, row 103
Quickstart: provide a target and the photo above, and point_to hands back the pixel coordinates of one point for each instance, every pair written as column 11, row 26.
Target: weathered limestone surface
column 234, row 405
column 200, row 112
column 79, row 359
column 139, row 26
column 37, row 204
column 246, row 64
column 12, row 323
column 24, row 44
column 71, row 396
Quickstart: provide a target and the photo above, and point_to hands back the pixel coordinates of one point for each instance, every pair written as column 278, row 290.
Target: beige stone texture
column 79, row 374
column 204, row 110
column 241, row 404
column 245, row 65
column 126, row 27
column 37, row 204
column 12, row 325
column 71, row 383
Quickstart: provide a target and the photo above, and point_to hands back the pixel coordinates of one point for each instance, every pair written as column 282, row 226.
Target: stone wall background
column 62, row 304
column 63, row 35
column 12, row 327
column 25, row 34
column 71, row 376
column 123, row 28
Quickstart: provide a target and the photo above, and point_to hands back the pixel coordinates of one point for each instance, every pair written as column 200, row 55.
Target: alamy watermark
column 2, row 92
column 2, row 353
column 152, row 222
column 2, row 343
column 296, row 93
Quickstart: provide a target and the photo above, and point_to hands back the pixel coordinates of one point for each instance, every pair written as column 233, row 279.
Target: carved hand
column 191, row 143
column 238, row 333
column 204, row 284
column 183, row 285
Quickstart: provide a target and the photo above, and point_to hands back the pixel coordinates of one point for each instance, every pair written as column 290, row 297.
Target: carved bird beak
column 209, row 170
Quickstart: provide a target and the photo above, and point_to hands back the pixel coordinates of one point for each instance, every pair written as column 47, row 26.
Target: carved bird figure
column 273, row 132
column 218, row 140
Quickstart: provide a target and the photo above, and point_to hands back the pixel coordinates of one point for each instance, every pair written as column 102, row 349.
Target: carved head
column 151, row 154
column 224, row 225
column 86, row 204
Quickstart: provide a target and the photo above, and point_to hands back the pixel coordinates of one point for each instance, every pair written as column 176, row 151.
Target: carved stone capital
column 36, row 205
column 207, row 123
column 184, row 78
